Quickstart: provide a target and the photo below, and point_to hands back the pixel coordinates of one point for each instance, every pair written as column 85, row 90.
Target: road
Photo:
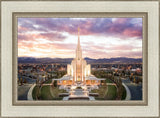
column 23, row 90
column 135, row 89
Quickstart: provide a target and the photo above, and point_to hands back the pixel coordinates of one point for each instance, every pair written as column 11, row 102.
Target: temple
column 78, row 69
column 78, row 72
column 78, row 76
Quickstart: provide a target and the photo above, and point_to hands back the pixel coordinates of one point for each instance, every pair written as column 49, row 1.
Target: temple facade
column 78, row 72
column 78, row 69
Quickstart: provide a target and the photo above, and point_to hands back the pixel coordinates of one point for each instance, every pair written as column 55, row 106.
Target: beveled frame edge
column 80, row 0
column 0, row 57
column 143, row 102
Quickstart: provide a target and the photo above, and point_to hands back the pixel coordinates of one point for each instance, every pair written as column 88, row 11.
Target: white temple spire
column 78, row 50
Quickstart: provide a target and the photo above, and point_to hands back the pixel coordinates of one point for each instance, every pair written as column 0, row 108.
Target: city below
column 43, row 70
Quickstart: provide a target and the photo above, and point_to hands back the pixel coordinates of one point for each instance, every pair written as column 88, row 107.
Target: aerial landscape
column 79, row 59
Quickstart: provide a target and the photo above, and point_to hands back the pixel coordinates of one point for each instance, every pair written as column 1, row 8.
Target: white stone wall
column 69, row 69
column 88, row 69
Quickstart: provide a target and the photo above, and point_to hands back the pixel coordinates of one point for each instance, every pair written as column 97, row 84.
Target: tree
column 21, row 81
column 18, row 81
column 131, row 77
column 55, row 83
column 52, row 84
column 41, row 82
column 38, row 93
column 120, row 89
column 45, row 78
column 123, row 73
column 134, row 79
column 137, row 80
column 37, row 81
column 24, row 81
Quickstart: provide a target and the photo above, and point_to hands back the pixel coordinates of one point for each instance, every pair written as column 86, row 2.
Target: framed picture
column 68, row 58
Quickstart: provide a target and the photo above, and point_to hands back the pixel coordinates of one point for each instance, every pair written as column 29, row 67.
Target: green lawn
column 109, row 81
column 112, row 92
column 101, row 91
column 35, row 92
column 48, row 81
column 106, row 92
column 45, row 93
column 55, row 92
column 124, row 93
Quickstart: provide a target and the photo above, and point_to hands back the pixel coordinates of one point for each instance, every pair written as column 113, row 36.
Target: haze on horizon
column 99, row 37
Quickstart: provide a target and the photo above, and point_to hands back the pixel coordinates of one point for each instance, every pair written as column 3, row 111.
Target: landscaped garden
column 115, row 89
column 47, row 92
column 110, row 91
column 106, row 92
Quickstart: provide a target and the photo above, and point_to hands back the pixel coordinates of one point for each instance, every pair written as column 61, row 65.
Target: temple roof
column 65, row 77
column 91, row 77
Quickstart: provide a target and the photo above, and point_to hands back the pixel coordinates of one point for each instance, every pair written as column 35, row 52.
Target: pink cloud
column 89, row 26
column 132, row 32
column 53, row 29
column 47, row 36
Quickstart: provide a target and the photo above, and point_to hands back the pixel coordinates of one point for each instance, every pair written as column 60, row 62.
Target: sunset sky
column 99, row 37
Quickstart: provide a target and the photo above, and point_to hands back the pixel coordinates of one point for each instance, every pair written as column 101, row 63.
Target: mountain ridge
column 48, row 60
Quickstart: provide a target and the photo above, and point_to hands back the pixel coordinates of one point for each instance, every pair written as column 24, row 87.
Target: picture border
column 91, row 1
column 142, row 102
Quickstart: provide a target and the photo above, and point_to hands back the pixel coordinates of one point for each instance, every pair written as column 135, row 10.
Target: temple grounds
column 49, row 91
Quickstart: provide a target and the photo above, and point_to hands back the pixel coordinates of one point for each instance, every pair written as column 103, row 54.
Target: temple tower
column 79, row 71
